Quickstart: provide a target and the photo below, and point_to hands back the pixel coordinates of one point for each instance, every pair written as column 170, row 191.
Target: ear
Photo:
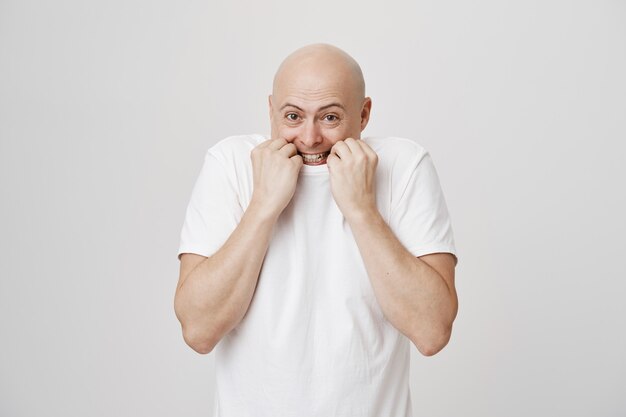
column 269, row 100
column 365, row 112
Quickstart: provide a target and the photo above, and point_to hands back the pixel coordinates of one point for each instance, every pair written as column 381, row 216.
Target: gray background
column 107, row 108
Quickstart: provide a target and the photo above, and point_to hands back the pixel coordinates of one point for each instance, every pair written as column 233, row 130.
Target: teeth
column 314, row 157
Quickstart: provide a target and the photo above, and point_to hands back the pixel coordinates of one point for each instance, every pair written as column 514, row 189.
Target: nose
column 310, row 135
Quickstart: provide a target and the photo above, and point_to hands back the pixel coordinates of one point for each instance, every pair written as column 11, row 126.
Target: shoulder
column 233, row 148
column 396, row 151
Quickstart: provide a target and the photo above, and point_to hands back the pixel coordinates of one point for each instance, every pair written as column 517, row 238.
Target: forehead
column 310, row 87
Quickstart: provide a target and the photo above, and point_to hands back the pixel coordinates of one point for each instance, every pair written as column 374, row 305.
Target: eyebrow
column 320, row 109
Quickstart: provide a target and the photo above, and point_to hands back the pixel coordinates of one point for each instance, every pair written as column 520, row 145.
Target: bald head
column 318, row 98
column 319, row 63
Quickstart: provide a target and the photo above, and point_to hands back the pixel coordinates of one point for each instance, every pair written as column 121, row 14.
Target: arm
column 213, row 297
column 214, row 293
column 417, row 295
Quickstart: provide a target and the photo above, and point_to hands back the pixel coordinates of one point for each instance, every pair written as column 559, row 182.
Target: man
column 310, row 259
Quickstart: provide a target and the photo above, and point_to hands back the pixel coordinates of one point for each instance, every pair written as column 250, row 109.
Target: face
column 314, row 109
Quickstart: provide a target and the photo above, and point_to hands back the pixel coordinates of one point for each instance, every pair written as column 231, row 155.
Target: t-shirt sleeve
column 213, row 211
column 420, row 217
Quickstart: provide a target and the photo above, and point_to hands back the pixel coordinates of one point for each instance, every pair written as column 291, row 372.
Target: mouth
column 314, row 158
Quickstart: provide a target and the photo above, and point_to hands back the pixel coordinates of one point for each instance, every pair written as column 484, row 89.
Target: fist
column 352, row 167
column 275, row 168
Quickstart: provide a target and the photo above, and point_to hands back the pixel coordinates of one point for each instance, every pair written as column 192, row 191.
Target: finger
column 261, row 145
column 371, row 154
column 340, row 149
column 276, row 144
column 331, row 161
column 288, row 150
column 265, row 143
column 354, row 146
column 297, row 159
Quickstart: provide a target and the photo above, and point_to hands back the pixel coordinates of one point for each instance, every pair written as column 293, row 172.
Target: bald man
column 312, row 258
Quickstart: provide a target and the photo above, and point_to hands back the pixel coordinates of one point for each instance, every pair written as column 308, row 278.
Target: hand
column 275, row 168
column 352, row 167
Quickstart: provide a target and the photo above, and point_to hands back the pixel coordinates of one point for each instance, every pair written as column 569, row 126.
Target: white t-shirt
column 314, row 341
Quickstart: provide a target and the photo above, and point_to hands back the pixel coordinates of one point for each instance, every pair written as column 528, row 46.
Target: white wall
column 107, row 108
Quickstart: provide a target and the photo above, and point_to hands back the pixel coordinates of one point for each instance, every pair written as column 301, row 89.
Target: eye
column 331, row 118
column 291, row 117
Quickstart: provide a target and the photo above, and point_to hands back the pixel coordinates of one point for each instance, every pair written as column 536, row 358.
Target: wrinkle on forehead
column 317, row 69
column 309, row 94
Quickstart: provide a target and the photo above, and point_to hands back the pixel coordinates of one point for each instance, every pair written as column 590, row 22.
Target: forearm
column 216, row 294
column 413, row 296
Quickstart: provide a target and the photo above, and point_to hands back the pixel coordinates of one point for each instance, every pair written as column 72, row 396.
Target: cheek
column 288, row 133
column 334, row 135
